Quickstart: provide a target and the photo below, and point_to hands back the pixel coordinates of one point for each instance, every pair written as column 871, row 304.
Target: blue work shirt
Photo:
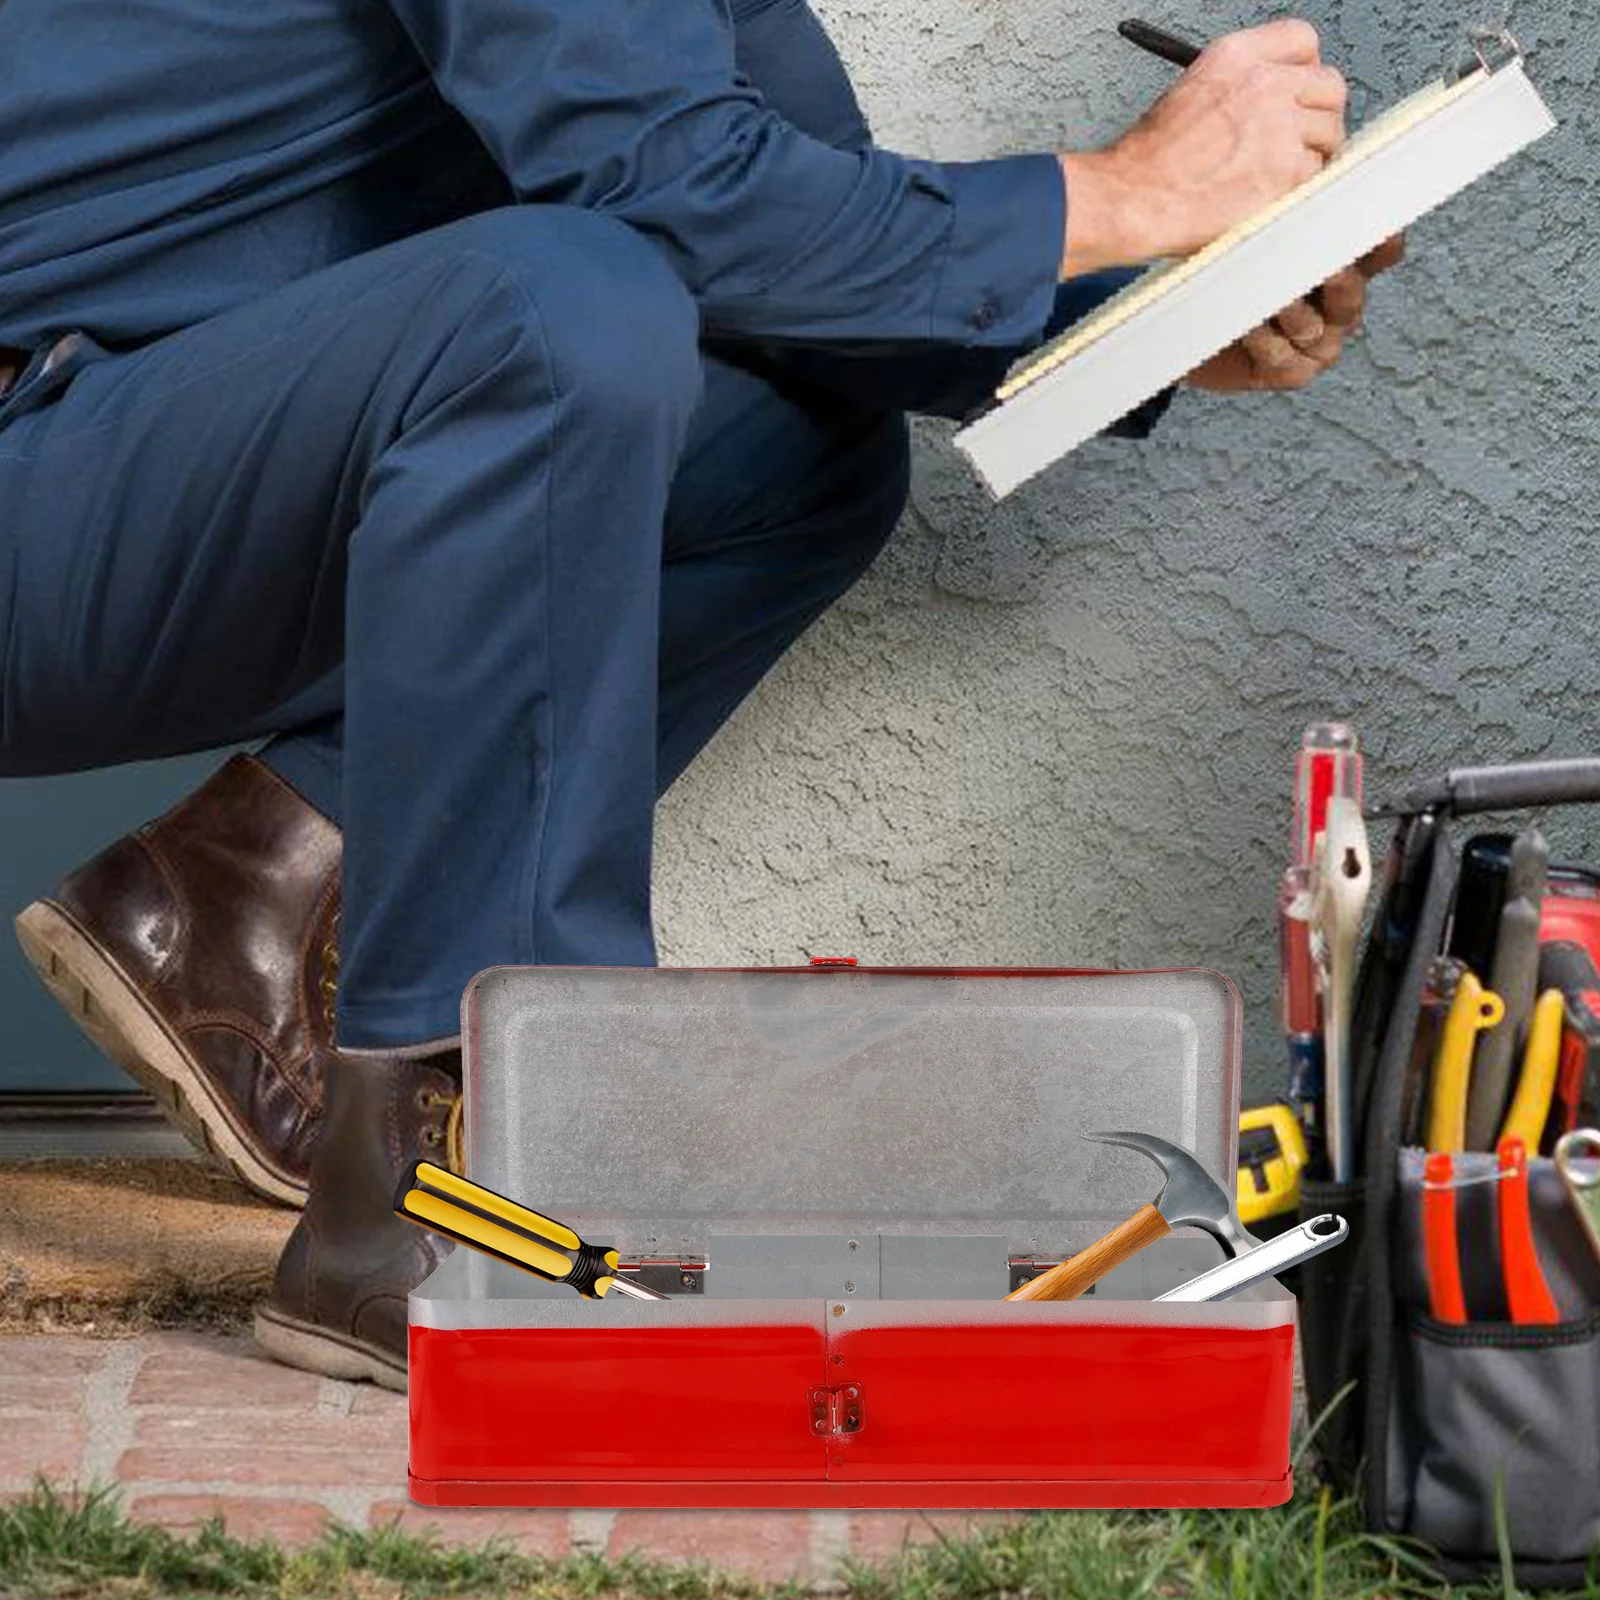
column 161, row 162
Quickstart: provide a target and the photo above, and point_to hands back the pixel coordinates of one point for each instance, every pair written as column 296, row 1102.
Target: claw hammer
column 1190, row 1197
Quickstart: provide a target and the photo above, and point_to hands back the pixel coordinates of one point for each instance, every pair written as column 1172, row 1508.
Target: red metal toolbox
column 838, row 1173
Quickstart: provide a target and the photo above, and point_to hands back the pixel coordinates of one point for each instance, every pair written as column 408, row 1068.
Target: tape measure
column 1272, row 1151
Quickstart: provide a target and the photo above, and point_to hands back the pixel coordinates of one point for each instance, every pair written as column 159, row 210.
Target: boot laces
column 451, row 1137
column 329, row 982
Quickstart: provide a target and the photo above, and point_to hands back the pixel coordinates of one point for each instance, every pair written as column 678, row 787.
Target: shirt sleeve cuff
column 998, row 286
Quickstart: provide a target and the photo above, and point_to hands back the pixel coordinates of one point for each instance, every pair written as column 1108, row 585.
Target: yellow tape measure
column 1272, row 1152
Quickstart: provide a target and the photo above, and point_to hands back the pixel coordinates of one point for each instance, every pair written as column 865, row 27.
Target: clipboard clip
column 1483, row 50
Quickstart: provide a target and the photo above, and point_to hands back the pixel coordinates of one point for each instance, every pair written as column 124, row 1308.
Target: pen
column 1159, row 42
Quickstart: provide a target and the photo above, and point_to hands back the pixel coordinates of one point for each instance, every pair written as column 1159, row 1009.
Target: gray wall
column 48, row 827
column 1059, row 731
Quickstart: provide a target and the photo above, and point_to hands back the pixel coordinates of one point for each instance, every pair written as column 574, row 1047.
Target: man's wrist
column 1110, row 222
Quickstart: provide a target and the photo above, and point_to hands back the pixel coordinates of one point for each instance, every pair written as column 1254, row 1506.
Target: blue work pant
column 479, row 514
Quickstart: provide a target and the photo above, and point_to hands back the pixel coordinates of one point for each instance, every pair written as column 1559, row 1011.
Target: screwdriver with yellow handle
column 1530, row 1109
column 435, row 1198
column 1474, row 1009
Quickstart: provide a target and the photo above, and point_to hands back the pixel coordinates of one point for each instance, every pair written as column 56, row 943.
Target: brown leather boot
column 200, row 954
column 338, row 1303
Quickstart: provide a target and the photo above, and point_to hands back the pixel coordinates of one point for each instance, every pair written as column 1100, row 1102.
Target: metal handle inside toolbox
column 1526, row 784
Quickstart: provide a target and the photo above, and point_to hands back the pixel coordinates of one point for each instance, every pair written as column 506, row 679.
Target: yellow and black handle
column 435, row 1198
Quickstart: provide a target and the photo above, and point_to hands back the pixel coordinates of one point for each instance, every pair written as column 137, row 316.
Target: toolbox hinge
column 840, row 1410
column 668, row 1274
column 1024, row 1269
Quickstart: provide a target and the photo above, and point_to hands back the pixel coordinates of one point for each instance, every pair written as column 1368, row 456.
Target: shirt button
column 985, row 314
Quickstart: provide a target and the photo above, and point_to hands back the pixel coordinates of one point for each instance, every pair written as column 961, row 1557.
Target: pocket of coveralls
column 1482, row 1409
column 48, row 372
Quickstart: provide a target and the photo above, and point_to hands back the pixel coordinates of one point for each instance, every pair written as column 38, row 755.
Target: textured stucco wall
column 1059, row 731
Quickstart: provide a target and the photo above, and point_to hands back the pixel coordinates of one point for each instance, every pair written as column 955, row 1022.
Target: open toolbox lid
column 662, row 1109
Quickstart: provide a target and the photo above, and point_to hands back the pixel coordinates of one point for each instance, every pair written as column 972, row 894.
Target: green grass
column 54, row 1546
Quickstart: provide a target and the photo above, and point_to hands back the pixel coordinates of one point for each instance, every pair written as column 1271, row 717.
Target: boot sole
column 106, row 1004
column 334, row 1355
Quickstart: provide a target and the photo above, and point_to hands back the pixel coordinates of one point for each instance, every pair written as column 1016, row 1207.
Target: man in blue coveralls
column 476, row 397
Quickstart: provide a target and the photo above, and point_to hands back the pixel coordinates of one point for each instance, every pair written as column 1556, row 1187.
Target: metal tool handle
column 1265, row 1261
column 1508, row 788
column 1582, row 1185
column 435, row 1198
column 1068, row 1280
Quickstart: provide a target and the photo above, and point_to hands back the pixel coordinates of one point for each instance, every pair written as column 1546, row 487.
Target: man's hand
column 1253, row 118
column 1304, row 339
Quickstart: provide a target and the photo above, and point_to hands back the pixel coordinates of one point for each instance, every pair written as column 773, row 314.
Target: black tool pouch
column 1464, row 1437
column 1493, row 1427
column 1333, row 1328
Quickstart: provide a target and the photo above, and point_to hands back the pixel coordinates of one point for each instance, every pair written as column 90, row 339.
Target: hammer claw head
column 1190, row 1196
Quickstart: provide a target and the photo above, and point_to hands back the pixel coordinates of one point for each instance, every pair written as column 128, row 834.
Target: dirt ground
column 112, row 1245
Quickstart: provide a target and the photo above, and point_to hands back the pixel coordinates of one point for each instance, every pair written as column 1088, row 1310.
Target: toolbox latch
column 840, row 1410
column 833, row 961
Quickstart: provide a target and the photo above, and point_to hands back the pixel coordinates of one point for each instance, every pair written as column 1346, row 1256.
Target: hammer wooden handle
column 1071, row 1278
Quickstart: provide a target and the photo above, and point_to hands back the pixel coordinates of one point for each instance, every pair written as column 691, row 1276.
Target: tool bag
column 1462, row 1436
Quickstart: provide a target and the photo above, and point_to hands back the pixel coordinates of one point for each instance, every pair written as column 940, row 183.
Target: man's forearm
column 637, row 110
column 1108, row 222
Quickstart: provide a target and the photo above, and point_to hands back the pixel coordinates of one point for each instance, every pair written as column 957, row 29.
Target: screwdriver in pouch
column 465, row 1211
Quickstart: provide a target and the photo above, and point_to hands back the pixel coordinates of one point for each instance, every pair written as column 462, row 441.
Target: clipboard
column 1407, row 161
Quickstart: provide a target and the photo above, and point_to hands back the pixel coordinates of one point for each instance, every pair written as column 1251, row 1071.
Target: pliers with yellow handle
column 465, row 1211
column 1474, row 1009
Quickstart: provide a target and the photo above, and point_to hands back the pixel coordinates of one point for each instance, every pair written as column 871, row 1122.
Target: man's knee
column 603, row 312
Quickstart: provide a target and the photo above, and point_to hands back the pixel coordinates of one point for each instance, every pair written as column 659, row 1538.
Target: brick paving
column 188, row 1424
